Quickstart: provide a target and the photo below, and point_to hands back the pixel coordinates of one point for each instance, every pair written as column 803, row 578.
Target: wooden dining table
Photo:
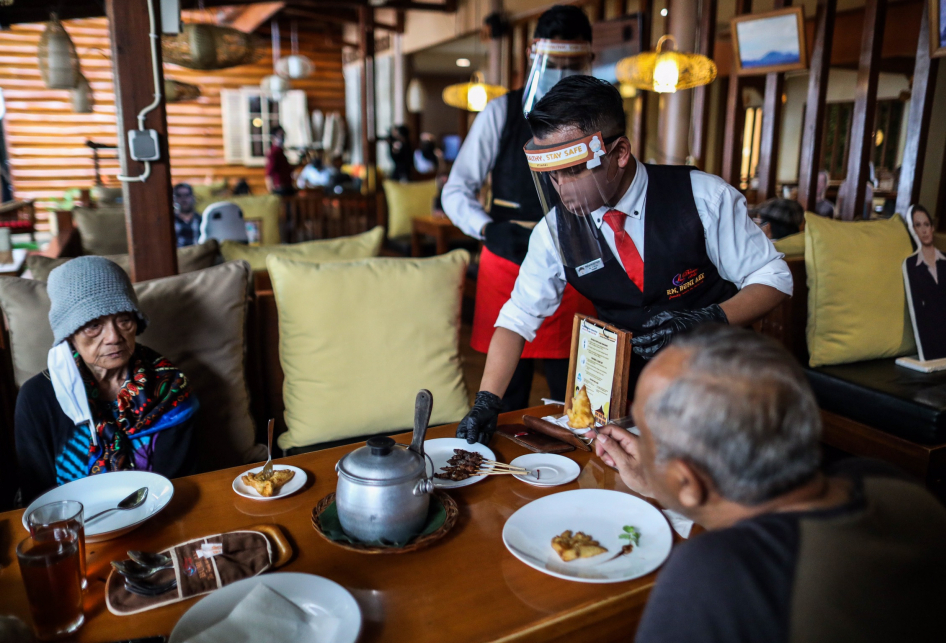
column 465, row 587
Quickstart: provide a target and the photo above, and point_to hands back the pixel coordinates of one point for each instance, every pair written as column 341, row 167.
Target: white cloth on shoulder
column 69, row 387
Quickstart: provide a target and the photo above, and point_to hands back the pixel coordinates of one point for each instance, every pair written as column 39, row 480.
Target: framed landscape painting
column 937, row 28
column 771, row 42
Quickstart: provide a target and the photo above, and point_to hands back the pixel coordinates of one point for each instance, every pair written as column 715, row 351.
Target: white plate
column 298, row 481
column 104, row 491
column 315, row 595
column 602, row 515
column 553, row 469
column 441, row 450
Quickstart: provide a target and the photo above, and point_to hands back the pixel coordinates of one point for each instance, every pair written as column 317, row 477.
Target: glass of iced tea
column 47, row 520
column 53, row 581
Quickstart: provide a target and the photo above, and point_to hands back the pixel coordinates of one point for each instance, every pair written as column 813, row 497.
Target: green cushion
column 358, row 339
column 856, row 299
column 189, row 259
column 359, row 246
column 406, row 201
column 791, row 246
column 102, row 230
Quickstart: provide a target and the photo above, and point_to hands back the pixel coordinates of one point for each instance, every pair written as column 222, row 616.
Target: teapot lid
column 381, row 461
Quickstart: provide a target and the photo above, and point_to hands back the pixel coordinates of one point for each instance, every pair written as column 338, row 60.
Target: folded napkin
column 265, row 615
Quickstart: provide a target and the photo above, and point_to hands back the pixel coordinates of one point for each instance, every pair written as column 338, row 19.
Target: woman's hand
column 620, row 449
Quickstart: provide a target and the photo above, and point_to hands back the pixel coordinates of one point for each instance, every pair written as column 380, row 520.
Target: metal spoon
column 134, row 570
column 146, row 589
column 132, row 501
column 147, row 559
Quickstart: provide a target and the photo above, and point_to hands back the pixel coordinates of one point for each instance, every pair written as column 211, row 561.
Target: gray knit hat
column 87, row 288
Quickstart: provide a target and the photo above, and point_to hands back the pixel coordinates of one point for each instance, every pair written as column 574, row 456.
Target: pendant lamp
column 666, row 71
column 415, row 96
column 58, row 60
column 274, row 86
column 177, row 92
column 294, row 66
column 207, row 47
column 472, row 96
column 82, row 96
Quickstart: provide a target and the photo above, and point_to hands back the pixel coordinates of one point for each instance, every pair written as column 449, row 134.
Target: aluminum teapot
column 383, row 489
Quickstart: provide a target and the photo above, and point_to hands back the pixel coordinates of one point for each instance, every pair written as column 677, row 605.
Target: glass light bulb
column 476, row 98
column 666, row 75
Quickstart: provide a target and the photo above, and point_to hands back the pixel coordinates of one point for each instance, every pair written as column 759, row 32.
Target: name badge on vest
column 589, row 267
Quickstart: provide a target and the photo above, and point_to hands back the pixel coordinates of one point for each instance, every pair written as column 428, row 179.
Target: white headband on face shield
column 546, row 47
column 587, row 150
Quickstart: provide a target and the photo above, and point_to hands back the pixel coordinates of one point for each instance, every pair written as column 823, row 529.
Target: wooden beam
column 771, row 124
column 814, row 110
column 735, row 117
column 699, row 117
column 368, row 134
column 249, row 18
column 851, row 196
column 941, row 197
column 639, row 120
column 148, row 205
column 918, row 125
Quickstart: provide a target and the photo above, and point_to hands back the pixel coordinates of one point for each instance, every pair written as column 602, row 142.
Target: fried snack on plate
column 268, row 486
column 579, row 413
column 581, row 545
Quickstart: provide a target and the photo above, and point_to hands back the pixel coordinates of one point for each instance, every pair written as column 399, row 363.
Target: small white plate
column 315, row 595
column 298, row 481
column 553, row 469
column 601, row 514
column 104, row 491
column 441, row 450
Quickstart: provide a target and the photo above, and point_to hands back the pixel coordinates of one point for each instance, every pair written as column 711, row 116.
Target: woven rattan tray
column 449, row 505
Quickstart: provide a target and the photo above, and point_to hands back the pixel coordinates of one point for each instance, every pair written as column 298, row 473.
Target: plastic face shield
column 575, row 179
column 553, row 60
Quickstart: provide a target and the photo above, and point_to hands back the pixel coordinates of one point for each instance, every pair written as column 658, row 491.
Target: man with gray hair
column 729, row 433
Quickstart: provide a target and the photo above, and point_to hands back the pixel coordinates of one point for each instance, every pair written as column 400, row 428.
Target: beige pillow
column 197, row 321
column 189, row 259
column 358, row 339
column 406, row 201
column 359, row 246
column 102, row 230
column 857, row 306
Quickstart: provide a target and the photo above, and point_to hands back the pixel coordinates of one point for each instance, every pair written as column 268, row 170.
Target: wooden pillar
column 735, row 116
column 701, row 104
column 771, row 123
column 149, row 209
column 851, row 196
column 639, row 120
column 918, row 125
column 368, row 134
column 941, row 197
column 814, row 110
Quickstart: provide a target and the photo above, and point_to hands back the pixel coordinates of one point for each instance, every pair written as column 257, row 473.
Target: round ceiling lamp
column 294, row 66
column 208, row 47
column 177, row 92
column 472, row 96
column 666, row 71
column 57, row 57
column 82, row 97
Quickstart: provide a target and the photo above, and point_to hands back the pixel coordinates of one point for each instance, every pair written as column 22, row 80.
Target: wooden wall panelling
column 851, row 195
column 701, row 104
column 814, row 109
column 46, row 140
column 639, row 119
column 149, row 210
column 921, row 107
column 771, row 126
column 735, row 116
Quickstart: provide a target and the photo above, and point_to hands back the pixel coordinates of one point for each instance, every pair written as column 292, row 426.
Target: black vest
column 678, row 274
column 512, row 179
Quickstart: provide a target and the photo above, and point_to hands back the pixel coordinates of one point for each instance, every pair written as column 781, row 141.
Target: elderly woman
column 105, row 403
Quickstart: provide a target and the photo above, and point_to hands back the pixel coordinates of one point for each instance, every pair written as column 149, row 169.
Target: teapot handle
column 423, row 406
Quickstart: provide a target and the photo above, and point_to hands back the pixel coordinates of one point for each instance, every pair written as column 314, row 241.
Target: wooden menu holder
column 622, row 369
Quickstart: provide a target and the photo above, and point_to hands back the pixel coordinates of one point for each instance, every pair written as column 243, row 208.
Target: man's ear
column 688, row 484
column 622, row 151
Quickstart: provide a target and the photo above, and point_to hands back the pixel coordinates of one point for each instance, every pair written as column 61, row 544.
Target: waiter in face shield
column 658, row 249
column 562, row 47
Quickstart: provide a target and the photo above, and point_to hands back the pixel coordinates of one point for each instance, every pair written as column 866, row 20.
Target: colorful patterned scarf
column 156, row 396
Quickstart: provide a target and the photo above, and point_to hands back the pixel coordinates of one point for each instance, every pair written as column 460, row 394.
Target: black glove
column 480, row 423
column 508, row 240
column 663, row 326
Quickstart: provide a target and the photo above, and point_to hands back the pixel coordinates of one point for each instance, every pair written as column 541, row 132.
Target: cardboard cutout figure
column 924, row 274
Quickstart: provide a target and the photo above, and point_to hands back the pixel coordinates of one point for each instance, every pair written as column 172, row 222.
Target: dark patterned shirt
column 187, row 232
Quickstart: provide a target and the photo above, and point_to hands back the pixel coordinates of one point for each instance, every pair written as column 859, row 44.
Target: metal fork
column 268, row 467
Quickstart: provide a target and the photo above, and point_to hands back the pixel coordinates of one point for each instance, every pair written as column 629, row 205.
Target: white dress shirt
column 473, row 164
column 737, row 247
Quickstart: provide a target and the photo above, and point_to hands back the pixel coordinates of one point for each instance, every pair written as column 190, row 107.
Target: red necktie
column 630, row 257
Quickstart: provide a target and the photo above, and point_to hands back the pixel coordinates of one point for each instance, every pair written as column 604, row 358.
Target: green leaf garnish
column 632, row 534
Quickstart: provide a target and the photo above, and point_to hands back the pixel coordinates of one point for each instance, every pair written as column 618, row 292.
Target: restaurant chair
column 19, row 217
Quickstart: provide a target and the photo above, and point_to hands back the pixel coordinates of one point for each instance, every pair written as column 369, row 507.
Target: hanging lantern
column 294, row 67
column 207, row 47
column 666, row 71
column 58, row 60
column 274, row 87
column 472, row 96
column 415, row 96
column 82, row 96
column 177, row 92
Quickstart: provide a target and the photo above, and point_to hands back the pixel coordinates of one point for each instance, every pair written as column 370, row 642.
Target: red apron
column 494, row 284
